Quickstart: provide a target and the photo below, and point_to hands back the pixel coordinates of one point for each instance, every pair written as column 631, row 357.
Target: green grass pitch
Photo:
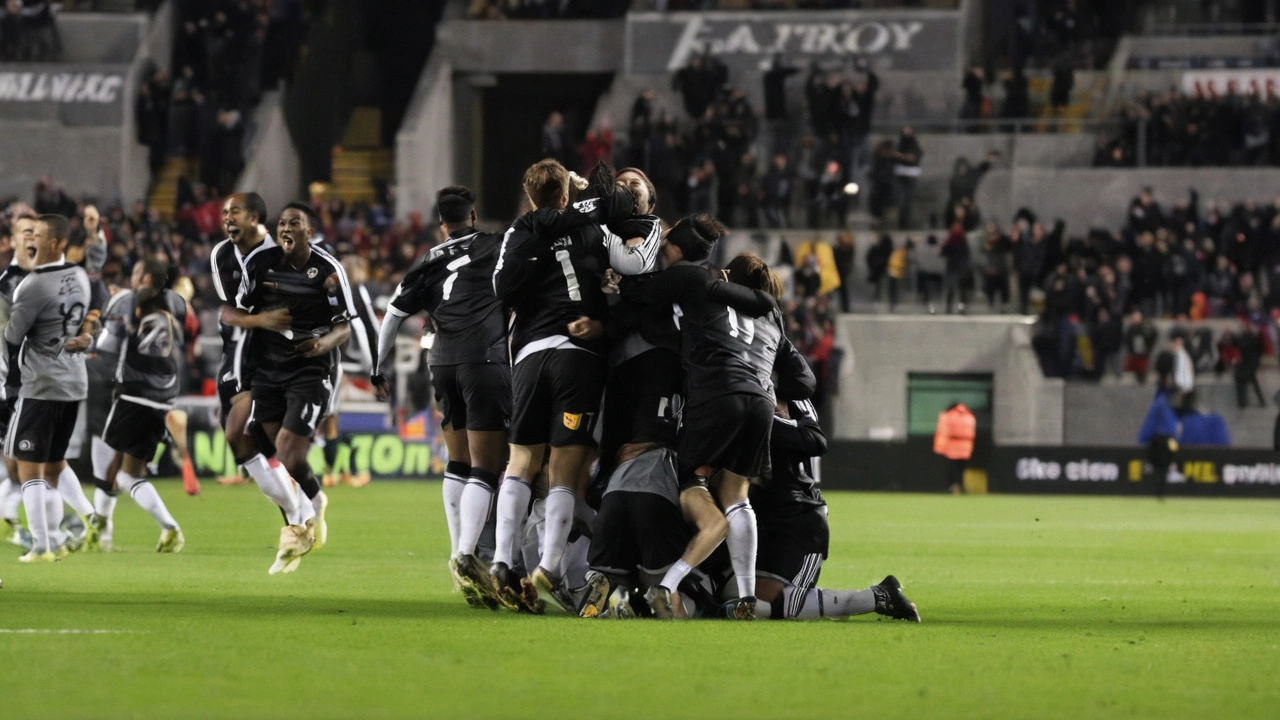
column 1033, row 607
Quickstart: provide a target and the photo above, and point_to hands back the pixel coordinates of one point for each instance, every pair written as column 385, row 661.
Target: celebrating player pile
column 648, row 395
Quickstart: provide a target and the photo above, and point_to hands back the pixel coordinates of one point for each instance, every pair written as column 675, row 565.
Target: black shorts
column 298, row 406
column 792, row 546
column 730, row 432
column 636, row 532
column 135, row 429
column 556, row 398
column 235, row 374
column 642, row 402
column 475, row 396
column 41, row 430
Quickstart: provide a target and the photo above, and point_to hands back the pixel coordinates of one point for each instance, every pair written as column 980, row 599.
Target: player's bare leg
column 175, row 421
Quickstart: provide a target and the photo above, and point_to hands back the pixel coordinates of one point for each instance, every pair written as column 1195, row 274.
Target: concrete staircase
column 360, row 162
column 164, row 189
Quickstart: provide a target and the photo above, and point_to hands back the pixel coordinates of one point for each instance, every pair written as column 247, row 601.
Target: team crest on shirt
column 312, row 273
column 25, row 446
column 572, row 420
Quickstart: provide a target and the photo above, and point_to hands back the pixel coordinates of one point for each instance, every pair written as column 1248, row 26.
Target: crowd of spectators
column 375, row 249
column 29, row 31
column 1177, row 130
column 225, row 54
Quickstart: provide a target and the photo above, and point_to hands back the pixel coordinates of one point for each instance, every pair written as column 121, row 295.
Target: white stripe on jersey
column 342, row 280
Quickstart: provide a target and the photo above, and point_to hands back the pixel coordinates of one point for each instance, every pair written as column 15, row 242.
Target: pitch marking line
column 61, row 631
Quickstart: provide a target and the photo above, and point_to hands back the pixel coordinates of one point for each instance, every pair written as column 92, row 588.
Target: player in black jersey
column 794, row 536
column 727, row 357
column 470, row 374
column 548, row 272
column 292, row 381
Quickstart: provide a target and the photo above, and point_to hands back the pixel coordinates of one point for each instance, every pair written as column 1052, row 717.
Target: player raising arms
column 470, row 374
column 549, row 274
column 146, row 385
column 45, row 325
column 292, row 381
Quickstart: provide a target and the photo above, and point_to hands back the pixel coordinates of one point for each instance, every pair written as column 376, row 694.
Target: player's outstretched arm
column 796, row 380
column 277, row 319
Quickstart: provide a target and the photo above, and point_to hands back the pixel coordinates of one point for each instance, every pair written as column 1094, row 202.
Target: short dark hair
column 750, row 271
column 59, row 226
column 313, row 218
column 455, row 203
column 149, row 300
column 695, row 235
column 158, row 270
column 253, row 203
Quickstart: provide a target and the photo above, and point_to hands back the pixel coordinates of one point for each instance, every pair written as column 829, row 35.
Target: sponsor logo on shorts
column 573, row 420
column 25, row 446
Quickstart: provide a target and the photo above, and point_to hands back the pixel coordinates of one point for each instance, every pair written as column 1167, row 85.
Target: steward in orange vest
column 953, row 439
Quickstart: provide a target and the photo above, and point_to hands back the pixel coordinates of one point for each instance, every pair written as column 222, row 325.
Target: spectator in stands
column 974, row 100
column 878, row 263
column 597, row 146
column 775, row 100
column 151, row 117
column 959, row 270
column 1107, row 339
column 857, row 105
column 900, row 269
column 10, row 30
column 1029, row 260
column 776, row 190
column 555, row 139
column 1017, row 97
column 906, row 171
column 965, row 178
column 700, row 82
column 39, row 39
column 832, row 202
column 882, row 178
column 1063, row 83
column 997, row 259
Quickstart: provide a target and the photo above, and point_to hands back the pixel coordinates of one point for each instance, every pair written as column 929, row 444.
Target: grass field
column 1032, row 607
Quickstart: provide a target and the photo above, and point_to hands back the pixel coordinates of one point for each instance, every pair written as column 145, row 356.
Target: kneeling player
column 292, row 385
column 146, row 385
column 792, row 520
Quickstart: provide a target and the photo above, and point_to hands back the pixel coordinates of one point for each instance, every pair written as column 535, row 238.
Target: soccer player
column 242, row 218
column 794, row 536
column 548, row 274
column 22, row 230
column 142, row 329
column 45, row 328
column 728, row 409
column 470, row 374
column 292, row 382
column 146, row 385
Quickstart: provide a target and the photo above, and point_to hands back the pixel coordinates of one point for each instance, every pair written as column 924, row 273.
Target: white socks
column 473, row 513
column 560, row 502
column 10, row 500
column 104, row 504
column 71, row 492
column 742, row 546
column 675, row 574
column 34, row 498
column 270, row 483
column 452, row 489
column 54, row 514
column 800, row 604
column 513, row 509
column 146, row 496
column 102, row 455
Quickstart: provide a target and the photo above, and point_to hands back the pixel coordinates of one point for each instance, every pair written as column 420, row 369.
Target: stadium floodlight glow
column 851, row 188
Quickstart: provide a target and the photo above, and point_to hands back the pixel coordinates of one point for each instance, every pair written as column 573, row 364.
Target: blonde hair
column 545, row 182
column 749, row 270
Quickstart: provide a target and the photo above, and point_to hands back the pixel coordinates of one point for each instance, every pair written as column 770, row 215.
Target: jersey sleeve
column 411, row 295
column 796, row 380
column 800, row 435
column 222, row 253
column 634, row 259
column 749, row 301
column 664, row 287
column 516, row 259
column 346, row 305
